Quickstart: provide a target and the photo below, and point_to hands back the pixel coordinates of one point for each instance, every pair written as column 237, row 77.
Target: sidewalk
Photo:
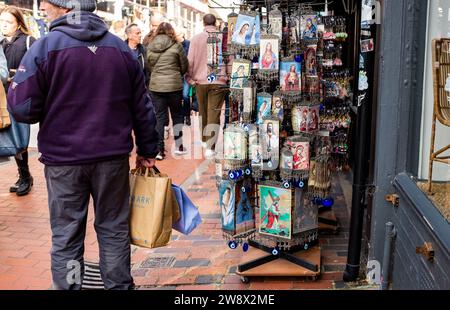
column 201, row 260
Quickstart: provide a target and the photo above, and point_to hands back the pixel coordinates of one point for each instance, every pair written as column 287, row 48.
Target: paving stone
column 191, row 263
column 208, row 279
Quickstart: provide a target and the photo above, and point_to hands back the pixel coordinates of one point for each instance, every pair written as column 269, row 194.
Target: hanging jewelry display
column 246, row 29
column 290, row 80
column 300, row 149
column 240, row 78
column 234, row 147
column 276, row 22
column 269, row 58
column 269, row 135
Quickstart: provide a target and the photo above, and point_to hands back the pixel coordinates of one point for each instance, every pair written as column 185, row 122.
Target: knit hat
column 83, row 5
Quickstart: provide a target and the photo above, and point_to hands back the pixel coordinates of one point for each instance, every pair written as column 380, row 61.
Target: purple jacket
column 86, row 89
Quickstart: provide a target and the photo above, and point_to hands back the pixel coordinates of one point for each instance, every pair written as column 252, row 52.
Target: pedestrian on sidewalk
column 186, row 107
column 17, row 40
column 134, row 36
column 86, row 89
column 210, row 95
column 167, row 63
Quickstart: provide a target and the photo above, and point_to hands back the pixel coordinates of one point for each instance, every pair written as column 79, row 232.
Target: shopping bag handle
column 148, row 172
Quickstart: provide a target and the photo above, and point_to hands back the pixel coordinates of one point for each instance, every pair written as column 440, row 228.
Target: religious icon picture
column 255, row 34
column 268, row 57
column 275, row 216
column 277, row 108
column 245, row 215
column 231, row 26
column 256, row 155
column 290, row 76
column 300, row 158
column 287, row 161
column 240, row 74
column 305, row 215
column 308, row 27
column 300, row 118
column 310, row 60
column 227, row 197
column 270, row 140
column 248, row 100
column 234, row 145
column 313, row 119
column 243, row 29
column 263, row 108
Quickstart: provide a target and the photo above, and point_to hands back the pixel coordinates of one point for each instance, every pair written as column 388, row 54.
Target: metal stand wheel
column 245, row 279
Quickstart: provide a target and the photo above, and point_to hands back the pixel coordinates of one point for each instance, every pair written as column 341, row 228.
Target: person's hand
column 142, row 162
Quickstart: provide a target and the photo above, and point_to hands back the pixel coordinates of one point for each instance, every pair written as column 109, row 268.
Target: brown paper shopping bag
column 153, row 208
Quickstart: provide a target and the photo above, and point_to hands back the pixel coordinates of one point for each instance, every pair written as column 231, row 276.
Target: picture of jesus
column 290, row 76
column 268, row 59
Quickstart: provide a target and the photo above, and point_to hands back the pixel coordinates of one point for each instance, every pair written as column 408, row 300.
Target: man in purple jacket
column 86, row 89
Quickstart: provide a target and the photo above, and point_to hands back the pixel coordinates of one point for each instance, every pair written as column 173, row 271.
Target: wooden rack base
column 260, row 262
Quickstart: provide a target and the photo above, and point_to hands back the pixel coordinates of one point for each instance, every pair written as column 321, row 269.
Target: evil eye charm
column 298, row 58
column 275, row 252
column 232, row 245
column 243, row 189
column 248, row 171
column 301, row 184
column 245, row 247
column 328, row 203
column 211, row 78
column 286, row 185
column 306, row 246
column 269, row 164
column 246, row 128
column 232, row 175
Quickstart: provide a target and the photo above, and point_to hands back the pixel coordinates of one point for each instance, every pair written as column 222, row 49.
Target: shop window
column 438, row 28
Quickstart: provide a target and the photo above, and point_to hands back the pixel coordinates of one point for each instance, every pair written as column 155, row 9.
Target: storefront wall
column 401, row 55
column 438, row 27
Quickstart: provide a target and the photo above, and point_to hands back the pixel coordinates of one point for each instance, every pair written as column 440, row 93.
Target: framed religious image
column 268, row 56
column 287, row 160
column 248, row 100
column 231, row 26
column 290, row 76
column 300, row 158
column 243, row 29
column 305, row 215
column 234, row 145
column 299, row 118
column 245, row 215
column 256, row 155
column 263, row 107
column 227, row 198
column 367, row 46
column 308, row 27
column 270, row 142
column 312, row 85
column 240, row 73
column 275, row 216
column 310, row 60
column 313, row 118
column 277, row 108
column 255, row 34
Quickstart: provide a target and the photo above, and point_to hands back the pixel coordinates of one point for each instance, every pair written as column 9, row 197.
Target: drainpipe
column 389, row 238
column 364, row 100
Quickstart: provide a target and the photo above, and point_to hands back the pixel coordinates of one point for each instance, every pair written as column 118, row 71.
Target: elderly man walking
column 86, row 89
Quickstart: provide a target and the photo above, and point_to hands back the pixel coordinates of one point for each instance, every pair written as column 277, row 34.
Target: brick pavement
column 201, row 260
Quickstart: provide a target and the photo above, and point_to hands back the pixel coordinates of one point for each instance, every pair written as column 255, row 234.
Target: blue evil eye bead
column 286, row 184
column 301, row 184
column 245, row 247
column 248, row 171
column 211, row 78
column 232, row 245
column 275, row 252
column 298, row 58
column 246, row 128
column 269, row 164
column 322, row 108
column 306, row 246
column 231, row 175
column 243, row 189
column 328, row 203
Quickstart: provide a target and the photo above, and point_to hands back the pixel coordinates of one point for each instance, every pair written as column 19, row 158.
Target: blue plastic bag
column 189, row 214
column 14, row 139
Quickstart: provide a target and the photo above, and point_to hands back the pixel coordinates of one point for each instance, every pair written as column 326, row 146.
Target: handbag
column 5, row 120
column 153, row 208
column 14, row 139
column 189, row 215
